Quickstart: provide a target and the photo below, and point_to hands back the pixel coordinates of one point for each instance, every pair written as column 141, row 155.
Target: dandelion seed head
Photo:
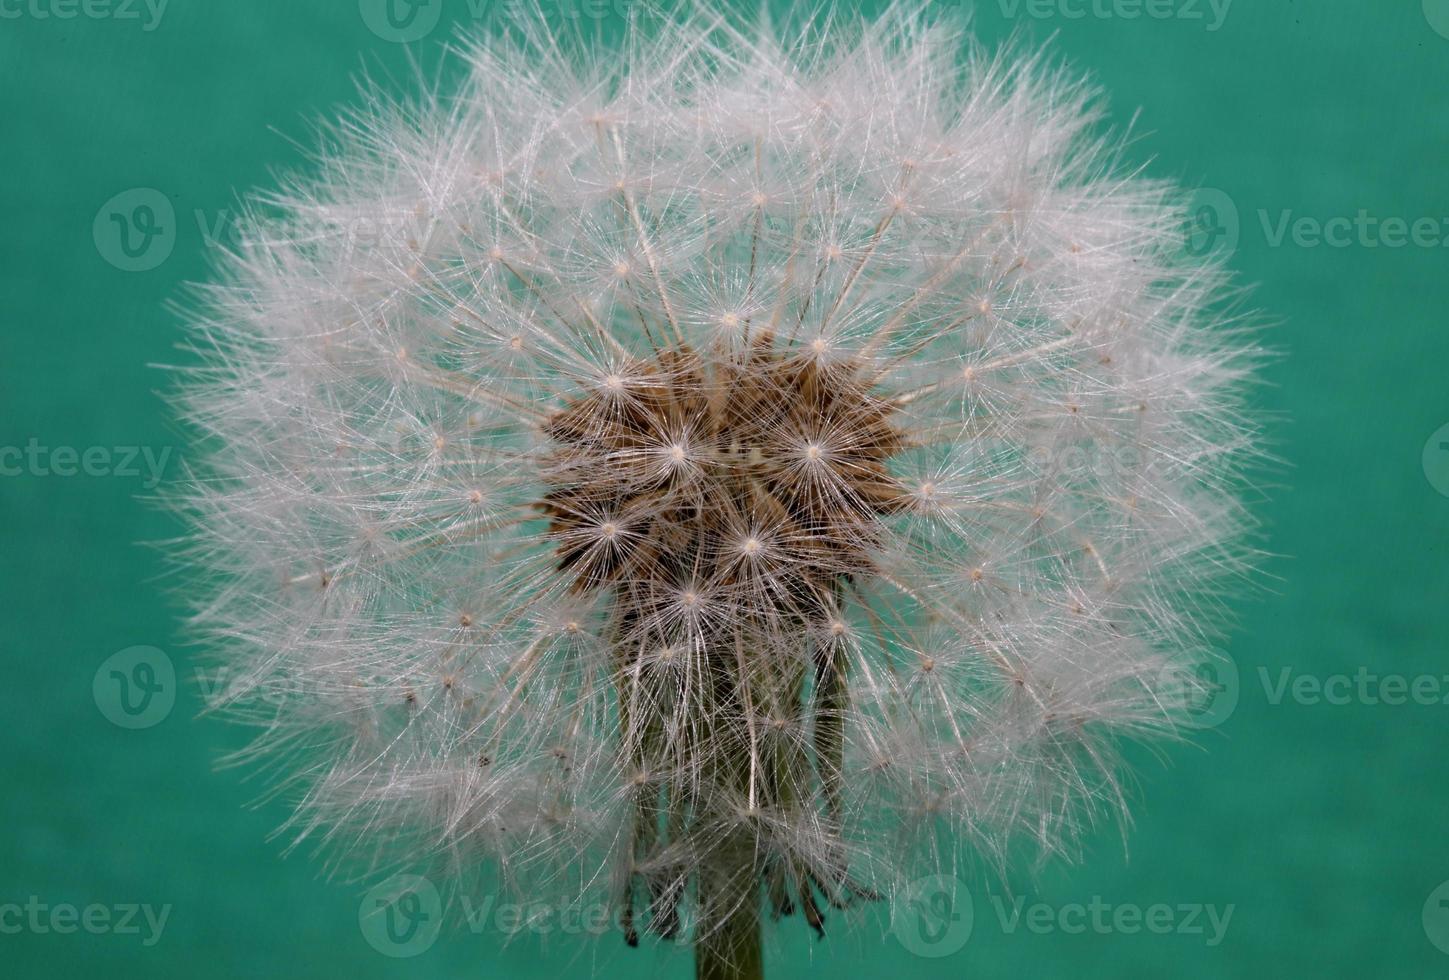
column 809, row 447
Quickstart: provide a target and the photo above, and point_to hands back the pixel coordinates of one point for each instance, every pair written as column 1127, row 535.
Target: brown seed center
column 759, row 477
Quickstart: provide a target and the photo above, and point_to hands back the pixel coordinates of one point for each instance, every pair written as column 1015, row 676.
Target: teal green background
column 1322, row 825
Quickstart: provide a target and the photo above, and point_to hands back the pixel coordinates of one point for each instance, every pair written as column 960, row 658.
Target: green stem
column 729, row 949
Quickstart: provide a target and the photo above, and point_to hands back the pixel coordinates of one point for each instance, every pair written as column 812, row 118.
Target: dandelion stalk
column 731, row 950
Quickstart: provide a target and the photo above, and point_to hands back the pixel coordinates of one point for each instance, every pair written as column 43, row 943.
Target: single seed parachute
column 745, row 469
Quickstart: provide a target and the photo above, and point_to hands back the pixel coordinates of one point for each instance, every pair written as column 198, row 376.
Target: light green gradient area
column 1320, row 824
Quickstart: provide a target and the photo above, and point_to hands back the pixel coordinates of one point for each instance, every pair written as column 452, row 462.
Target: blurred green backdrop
column 1315, row 819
